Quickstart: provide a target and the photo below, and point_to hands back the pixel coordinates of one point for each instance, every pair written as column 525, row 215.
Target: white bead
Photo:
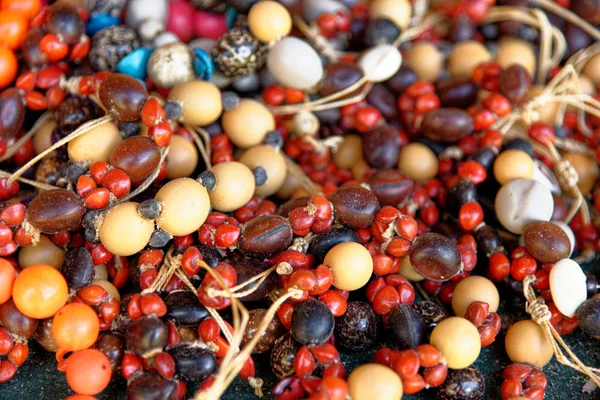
column 294, row 63
column 149, row 29
column 381, row 62
column 565, row 227
column 312, row 9
column 140, row 10
column 205, row 44
column 521, row 201
column 171, row 65
column 164, row 38
column 545, row 176
column 568, row 286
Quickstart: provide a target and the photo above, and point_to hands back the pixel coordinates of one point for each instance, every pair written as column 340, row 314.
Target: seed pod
column 265, row 235
column 193, row 363
column 56, row 211
column 78, row 268
column 447, row 125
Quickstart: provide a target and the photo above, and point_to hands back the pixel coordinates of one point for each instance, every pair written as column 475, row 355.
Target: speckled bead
column 171, row 64
column 112, row 44
column 237, row 53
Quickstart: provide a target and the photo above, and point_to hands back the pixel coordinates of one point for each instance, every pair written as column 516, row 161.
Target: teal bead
column 134, row 64
column 230, row 16
column 99, row 21
column 203, row 64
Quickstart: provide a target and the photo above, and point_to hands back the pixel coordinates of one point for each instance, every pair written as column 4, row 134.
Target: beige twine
column 202, row 140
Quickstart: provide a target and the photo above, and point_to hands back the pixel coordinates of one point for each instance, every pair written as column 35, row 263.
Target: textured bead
column 237, row 53
column 112, row 44
column 171, row 65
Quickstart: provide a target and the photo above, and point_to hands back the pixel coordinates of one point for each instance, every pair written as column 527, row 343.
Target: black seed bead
column 149, row 209
column 260, row 176
column 89, row 219
column 208, row 180
column 159, row 238
column 90, row 236
column 74, row 171
column 274, row 139
column 520, row 144
column 173, row 110
column 230, row 100
column 381, row 31
column 128, row 129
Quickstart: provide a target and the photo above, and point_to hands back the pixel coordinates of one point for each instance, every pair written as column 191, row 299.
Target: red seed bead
column 13, row 215
column 335, row 388
column 386, row 300
column 472, row 171
column 273, row 95
column 366, row 118
column 35, row 101
column 151, row 303
column 324, row 280
column 98, row 171
column 130, row 365
column 516, row 371
column 226, row 235
column 326, row 354
column 510, row 388
column 53, row 48
column 80, row 50
column 536, row 380
column 97, row 198
column 373, row 288
column 152, row 112
column 26, row 81
column 6, row 342
column 335, row 302
column 436, row 375
column 429, row 356
column 413, row 384
column 7, row 370
column 499, row 267
column 18, row 354
column 209, row 330
column 497, row 104
column 117, row 182
column 304, row 362
column 284, row 313
column 302, row 279
column 165, row 365
column 543, row 133
column 161, row 134
column 470, row 215
column 407, row 364
column 476, row 312
column 523, row 266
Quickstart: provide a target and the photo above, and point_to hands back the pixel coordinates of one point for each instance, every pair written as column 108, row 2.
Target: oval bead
column 55, row 211
column 380, row 63
column 447, row 125
column 12, row 112
column 355, row 206
column 567, row 285
column 184, row 206
column 295, row 64
column 435, row 257
column 339, row 76
column 547, row 242
column 138, row 156
column 95, row 145
column 265, row 235
column 588, row 316
column 124, row 232
column 123, row 96
column 381, row 147
column 391, row 187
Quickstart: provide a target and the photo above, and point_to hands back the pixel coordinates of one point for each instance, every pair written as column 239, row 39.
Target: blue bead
column 134, row 64
column 203, row 64
column 99, row 21
column 230, row 16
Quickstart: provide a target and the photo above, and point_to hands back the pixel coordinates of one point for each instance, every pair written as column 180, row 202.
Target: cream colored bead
column 45, row 252
column 458, row 341
column 374, row 381
column 294, row 63
column 351, row 265
column 273, row 163
column 234, row 188
column 184, row 206
column 546, row 111
column 587, row 171
column 418, row 162
column 200, row 102
column 380, row 63
column 269, row 20
column 306, row 123
column 516, row 51
column 526, row 342
column 109, row 287
column 474, row 288
column 398, row 11
column 592, row 69
column 513, row 164
column 408, row 271
column 349, row 152
column 425, row 59
column 42, row 139
column 465, row 57
column 124, row 232
column 100, row 272
column 248, row 123
column 95, row 145
column 182, row 159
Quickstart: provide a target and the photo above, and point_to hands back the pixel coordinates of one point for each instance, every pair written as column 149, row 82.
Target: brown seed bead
column 184, row 206
column 374, row 381
column 339, row 76
column 274, row 331
column 381, row 147
column 458, row 341
column 283, row 355
column 425, row 59
column 31, row 48
column 547, row 242
column 248, row 123
column 96, row 145
column 249, row 268
column 64, row 20
column 351, row 265
column 235, row 186
column 435, row 257
column 55, row 211
column 200, row 102
column 43, row 335
column 526, row 342
column 286, row 208
column 355, row 206
column 515, row 51
column 45, row 252
column 465, row 57
column 182, row 159
column 16, row 322
column 124, row 232
column 391, row 187
column 515, row 82
column 273, row 163
column 265, row 235
column 461, row 93
column 349, row 152
column 12, row 112
column 123, row 96
column 137, row 155
column 513, row 164
column 447, row 125
column 418, row 162
column 587, row 169
column 112, row 344
column 474, row 288
column 73, row 112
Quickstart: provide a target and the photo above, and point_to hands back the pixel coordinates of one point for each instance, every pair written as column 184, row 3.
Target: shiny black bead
column 312, row 323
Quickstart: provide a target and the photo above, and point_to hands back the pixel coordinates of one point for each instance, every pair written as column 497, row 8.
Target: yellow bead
column 351, row 265
column 465, row 57
column 248, row 123
column 269, row 20
column 526, row 342
column 458, row 341
column 474, row 288
column 513, row 164
column 184, row 206
column 374, row 381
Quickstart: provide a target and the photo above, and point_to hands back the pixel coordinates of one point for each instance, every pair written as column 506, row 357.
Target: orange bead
column 7, row 279
column 88, row 371
column 27, row 8
column 75, row 327
column 8, row 67
column 54, row 49
column 13, row 27
column 80, row 397
column 40, row 291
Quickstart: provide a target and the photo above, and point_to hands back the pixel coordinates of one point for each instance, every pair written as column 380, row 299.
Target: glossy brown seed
column 447, row 125
column 137, row 155
column 435, row 257
column 391, row 187
column 547, row 242
column 123, row 96
column 381, row 147
column 15, row 321
column 43, row 335
column 249, row 268
column 286, row 208
column 355, row 206
column 55, row 211
column 265, row 235
column 405, row 77
column 384, row 100
column 274, row 331
column 112, row 344
column 12, row 112
column 283, row 355
column 339, row 76
column 73, row 112
column 31, row 48
column 587, row 9
column 461, row 93
column 63, row 20
column 515, row 82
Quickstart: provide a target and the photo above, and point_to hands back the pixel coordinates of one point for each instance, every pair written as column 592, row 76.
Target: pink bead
column 208, row 25
column 180, row 19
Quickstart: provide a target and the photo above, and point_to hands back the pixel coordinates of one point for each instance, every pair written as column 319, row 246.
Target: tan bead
column 374, row 381
column 397, row 11
column 269, row 20
column 474, row 288
column 300, row 192
column 124, row 232
column 96, row 145
column 290, row 184
column 587, row 169
column 516, row 51
column 42, row 139
column 458, row 341
column 305, row 123
column 235, row 186
column 546, row 111
column 408, row 271
column 200, row 102
column 418, row 162
column 109, row 287
column 351, row 265
column 425, row 59
column 100, row 272
column 46, row 252
column 465, row 57
column 184, row 206
column 349, row 152
column 513, row 164
column 182, row 159
column 248, row 123
column 360, row 169
column 526, row 342
column 274, row 164
column 592, row 69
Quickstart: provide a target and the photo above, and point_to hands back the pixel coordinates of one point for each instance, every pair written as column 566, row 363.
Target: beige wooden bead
column 182, row 159
column 516, row 51
column 546, row 111
column 269, row 20
column 46, row 252
column 474, row 288
column 274, row 164
column 109, row 287
column 200, row 102
column 290, row 184
column 592, row 69
column 95, row 145
column 374, row 381
column 184, row 206
column 360, row 169
column 351, row 265
column 42, row 139
column 234, row 188
column 418, row 162
column 248, row 123
column 458, row 341
column 513, row 164
column 465, row 57
column 587, row 170
column 408, row 271
column 124, row 232
column 397, row 11
column 425, row 59
column 526, row 342
column 349, row 152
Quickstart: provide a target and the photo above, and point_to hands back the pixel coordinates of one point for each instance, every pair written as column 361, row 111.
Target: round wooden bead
column 513, row 164
column 398, row 11
column 458, row 340
column 516, row 51
column 351, row 265
column 418, row 162
column 248, row 123
column 425, row 59
column 42, row 139
column 182, row 159
column 295, row 64
column 474, row 288
column 184, row 206
column 526, row 342
column 234, row 188
column 273, row 163
column 200, row 102
column 380, row 63
column 95, row 145
column 521, row 201
column 374, row 381
column 349, row 152
column 45, row 252
column 587, row 169
column 568, row 286
column 269, row 20
column 124, row 232
column 465, row 57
